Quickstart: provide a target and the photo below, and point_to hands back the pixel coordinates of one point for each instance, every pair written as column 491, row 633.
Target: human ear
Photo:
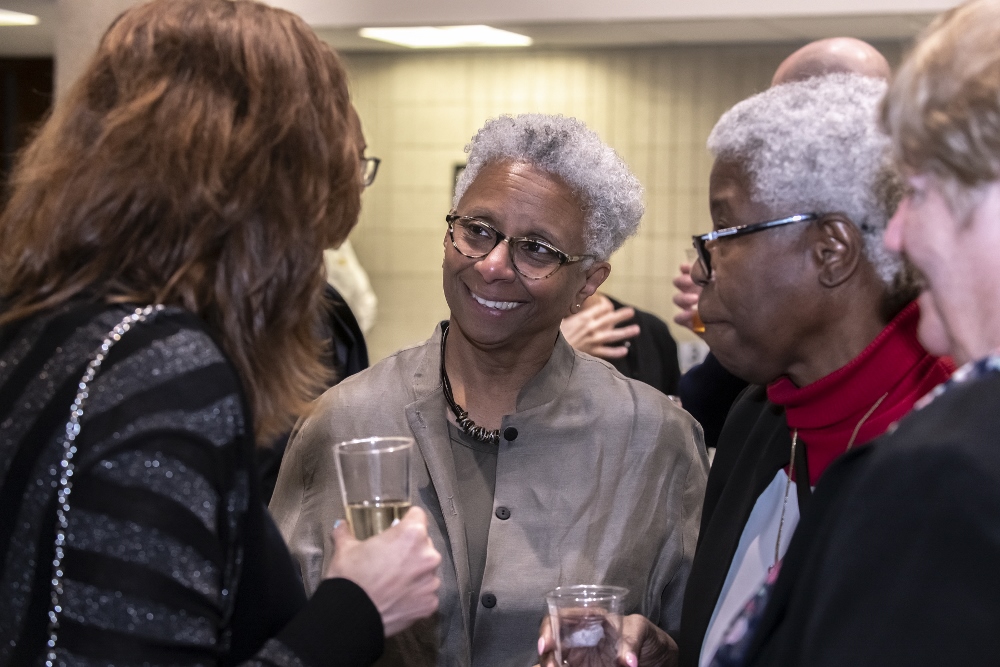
column 596, row 274
column 838, row 250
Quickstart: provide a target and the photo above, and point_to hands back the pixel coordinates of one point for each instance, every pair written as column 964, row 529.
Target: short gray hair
column 611, row 195
column 815, row 146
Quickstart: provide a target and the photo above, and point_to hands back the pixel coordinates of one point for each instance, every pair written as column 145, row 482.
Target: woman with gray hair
column 523, row 443
column 896, row 562
column 801, row 299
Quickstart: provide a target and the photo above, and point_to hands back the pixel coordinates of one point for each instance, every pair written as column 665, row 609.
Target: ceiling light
column 17, row 18
column 427, row 37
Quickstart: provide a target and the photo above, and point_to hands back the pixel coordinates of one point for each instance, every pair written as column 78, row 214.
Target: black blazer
column 754, row 445
column 897, row 559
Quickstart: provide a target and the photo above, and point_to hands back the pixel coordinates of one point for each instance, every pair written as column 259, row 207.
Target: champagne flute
column 374, row 478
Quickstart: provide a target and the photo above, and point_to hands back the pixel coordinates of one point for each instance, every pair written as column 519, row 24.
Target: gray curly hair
column 611, row 195
column 815, row 146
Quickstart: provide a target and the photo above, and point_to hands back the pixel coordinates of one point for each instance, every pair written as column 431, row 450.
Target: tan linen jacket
column 603, row 484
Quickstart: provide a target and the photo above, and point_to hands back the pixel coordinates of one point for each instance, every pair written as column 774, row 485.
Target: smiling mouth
column 496, row 305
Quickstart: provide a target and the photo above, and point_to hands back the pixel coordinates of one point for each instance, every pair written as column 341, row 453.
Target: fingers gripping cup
column 587, row 624
column 374, row 482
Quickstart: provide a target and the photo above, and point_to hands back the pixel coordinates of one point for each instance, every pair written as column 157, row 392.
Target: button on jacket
column 602, row 485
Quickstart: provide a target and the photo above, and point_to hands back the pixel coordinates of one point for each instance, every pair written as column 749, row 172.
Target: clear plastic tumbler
column 587, row 624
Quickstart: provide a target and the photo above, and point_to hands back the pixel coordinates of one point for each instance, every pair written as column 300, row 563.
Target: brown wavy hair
column 204, row 159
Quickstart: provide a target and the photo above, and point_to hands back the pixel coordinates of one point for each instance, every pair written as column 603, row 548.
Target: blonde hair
column 942, row 110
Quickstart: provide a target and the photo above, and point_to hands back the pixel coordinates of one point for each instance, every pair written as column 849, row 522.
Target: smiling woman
column 523, row 442
column 529, row 203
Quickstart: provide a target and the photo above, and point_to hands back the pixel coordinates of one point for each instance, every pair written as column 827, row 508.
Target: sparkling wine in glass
column 374, row 478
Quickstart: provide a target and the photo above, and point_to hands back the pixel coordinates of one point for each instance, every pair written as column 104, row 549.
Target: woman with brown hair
column 161, row 273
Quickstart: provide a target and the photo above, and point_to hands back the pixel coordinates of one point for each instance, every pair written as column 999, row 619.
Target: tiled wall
column 655, row 106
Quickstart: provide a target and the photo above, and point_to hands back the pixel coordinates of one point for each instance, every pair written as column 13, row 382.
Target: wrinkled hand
column 686, row 297
column 396, row 568
column 643, row 644
column 593, row 331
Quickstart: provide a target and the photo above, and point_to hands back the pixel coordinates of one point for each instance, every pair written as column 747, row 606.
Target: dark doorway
column 25, row 98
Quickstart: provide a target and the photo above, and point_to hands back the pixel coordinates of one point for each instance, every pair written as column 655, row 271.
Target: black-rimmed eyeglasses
column 701, row 241
column 369, row 167
column 532, row 258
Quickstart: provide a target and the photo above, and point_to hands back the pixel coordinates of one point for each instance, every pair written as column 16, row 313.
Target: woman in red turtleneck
column 754, row 496
column 799, row 298
column 858, row 402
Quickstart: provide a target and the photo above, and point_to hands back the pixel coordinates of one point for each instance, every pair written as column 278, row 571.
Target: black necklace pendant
column 468, row 426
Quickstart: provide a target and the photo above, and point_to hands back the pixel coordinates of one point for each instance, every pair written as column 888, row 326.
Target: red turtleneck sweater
column 890, row 375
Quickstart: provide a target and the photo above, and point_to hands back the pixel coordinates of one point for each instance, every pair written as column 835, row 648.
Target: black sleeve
column 147, row 575
column 753, row 447
column 707, row 391
column 341, row 624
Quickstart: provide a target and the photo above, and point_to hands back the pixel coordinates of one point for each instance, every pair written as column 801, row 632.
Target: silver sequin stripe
column 66, row 467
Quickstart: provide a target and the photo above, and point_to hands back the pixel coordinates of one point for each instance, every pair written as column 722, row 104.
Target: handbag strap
column 67, row 466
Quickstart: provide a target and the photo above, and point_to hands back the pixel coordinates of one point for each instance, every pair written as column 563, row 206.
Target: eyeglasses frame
column 564, row 258
column 700, row 240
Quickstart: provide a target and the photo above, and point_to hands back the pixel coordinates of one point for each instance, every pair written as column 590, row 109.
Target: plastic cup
column 587, row 624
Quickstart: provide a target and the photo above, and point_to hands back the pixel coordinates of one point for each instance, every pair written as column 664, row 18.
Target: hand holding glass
column 374, row 482
column 587, row 624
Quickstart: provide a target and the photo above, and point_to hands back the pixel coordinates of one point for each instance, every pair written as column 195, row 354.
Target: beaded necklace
column 468, row 426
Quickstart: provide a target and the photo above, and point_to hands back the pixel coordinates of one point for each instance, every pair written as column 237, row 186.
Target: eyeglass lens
column 369, row 167
column 531, row 259
column 703, row 256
